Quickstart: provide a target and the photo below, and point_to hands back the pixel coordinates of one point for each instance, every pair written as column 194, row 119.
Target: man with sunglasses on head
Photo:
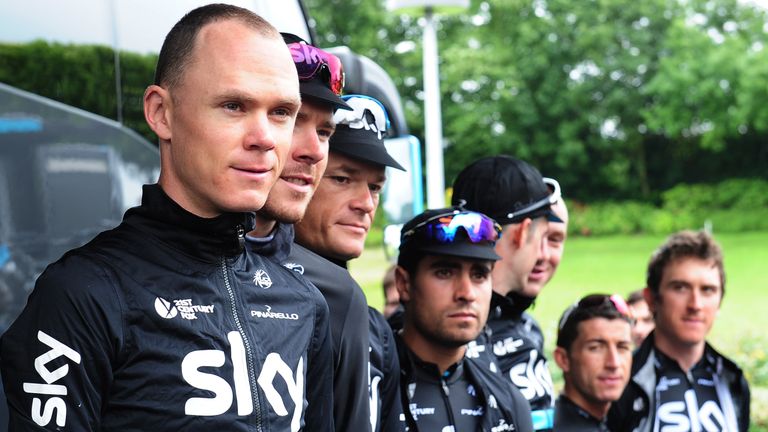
column 160, row 324
column 513, row 192
column 679, row 382
column 594, row 350
column 320, row 85
column 332, row 232
column 443, row 277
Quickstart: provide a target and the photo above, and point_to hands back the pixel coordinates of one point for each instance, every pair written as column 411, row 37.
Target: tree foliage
column 614, row 98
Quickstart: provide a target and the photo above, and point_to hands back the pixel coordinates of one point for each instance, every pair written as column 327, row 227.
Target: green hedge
column 82, row 76
column 735, row 205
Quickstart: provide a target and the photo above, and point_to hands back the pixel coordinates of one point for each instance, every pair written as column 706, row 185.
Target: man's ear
column 157, row 105
column 650, row 299
column 561, row 358
column 519, row 232
column 403, row 284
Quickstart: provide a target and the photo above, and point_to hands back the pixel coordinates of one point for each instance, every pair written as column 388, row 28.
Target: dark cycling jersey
column 445, row 401
column 470, row 397
column 518, row 345
column 165, row 323
column 712, row 396
column 570, row 417
column 349, row 334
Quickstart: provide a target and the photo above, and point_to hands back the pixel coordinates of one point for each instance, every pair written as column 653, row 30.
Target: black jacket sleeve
column 349, row 333
column 388, row 405
column 320, row 375
column 57, row 357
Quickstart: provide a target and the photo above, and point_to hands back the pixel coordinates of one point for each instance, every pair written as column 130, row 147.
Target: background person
column 444, row 280
column 594, row 350
column 642, row 318
column 391, row 296
column 332, row 232
column 151, row 325
column 678, row 380
column 513, row 192
column 557, row 233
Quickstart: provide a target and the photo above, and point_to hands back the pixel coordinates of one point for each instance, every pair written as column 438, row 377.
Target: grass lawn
column 617, row 265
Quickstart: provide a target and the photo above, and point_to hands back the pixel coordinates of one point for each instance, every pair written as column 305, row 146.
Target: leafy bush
column 735, row 205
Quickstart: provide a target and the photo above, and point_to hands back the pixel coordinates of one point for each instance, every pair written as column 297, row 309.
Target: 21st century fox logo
column 183, row 307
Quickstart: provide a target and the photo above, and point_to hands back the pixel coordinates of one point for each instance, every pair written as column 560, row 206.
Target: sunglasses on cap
column 377, row 120
column 443, row 228
column 549, row 200
column 310, row 61
column 594, row 301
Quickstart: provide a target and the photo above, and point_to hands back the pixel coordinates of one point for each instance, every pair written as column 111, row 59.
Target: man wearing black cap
column 514, row 193
column 332, row 232
column 444, row 281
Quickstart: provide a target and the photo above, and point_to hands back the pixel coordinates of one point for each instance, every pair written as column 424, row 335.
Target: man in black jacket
column 332, row 232
column 678, row 380
column 594, row 350
column 166, row 322
column 513, row 192
column 444, row 281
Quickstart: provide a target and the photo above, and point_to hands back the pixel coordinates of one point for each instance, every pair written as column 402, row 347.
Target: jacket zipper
column 447, row 400
column 241, row 330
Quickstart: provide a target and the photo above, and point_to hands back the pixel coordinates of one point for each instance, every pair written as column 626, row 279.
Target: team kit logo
column 182, row 307
column 199, row 369
column 262, row 279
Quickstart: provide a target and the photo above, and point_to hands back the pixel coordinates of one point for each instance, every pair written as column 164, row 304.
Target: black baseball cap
column 507, row 189
column 451, row 231
column 360, row 132
column 318, row 87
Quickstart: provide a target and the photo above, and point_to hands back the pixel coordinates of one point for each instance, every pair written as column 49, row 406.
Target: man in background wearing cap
column 272, row 236
column 444, row 281
column 514, row 193
column 332, row 232
column 594, row 350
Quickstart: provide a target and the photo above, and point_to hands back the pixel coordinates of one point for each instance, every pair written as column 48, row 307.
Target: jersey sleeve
column 351, row 402
column 389, row 389
column 57, row 356
column 320, row 374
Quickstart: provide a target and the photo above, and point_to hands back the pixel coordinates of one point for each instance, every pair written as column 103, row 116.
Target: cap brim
column 463, row 250
column 362, row 145
column 316, row 90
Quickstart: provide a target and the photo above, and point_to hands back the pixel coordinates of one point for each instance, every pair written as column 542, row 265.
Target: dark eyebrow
column 444, row 263
column 329, row 125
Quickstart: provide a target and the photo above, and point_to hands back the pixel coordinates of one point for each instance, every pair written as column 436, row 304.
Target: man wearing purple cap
column 273, row 234
column 514, row 193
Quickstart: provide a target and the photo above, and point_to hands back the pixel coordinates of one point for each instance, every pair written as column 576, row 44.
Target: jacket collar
column 207, row 239
column 276, row 246
column 511, row 305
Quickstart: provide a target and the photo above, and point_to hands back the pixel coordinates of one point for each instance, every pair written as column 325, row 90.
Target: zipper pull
column 445, row 387
column 241, row 237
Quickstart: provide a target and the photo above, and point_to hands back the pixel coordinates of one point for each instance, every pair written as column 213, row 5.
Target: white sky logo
column 262, row 279
column 165, row 309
